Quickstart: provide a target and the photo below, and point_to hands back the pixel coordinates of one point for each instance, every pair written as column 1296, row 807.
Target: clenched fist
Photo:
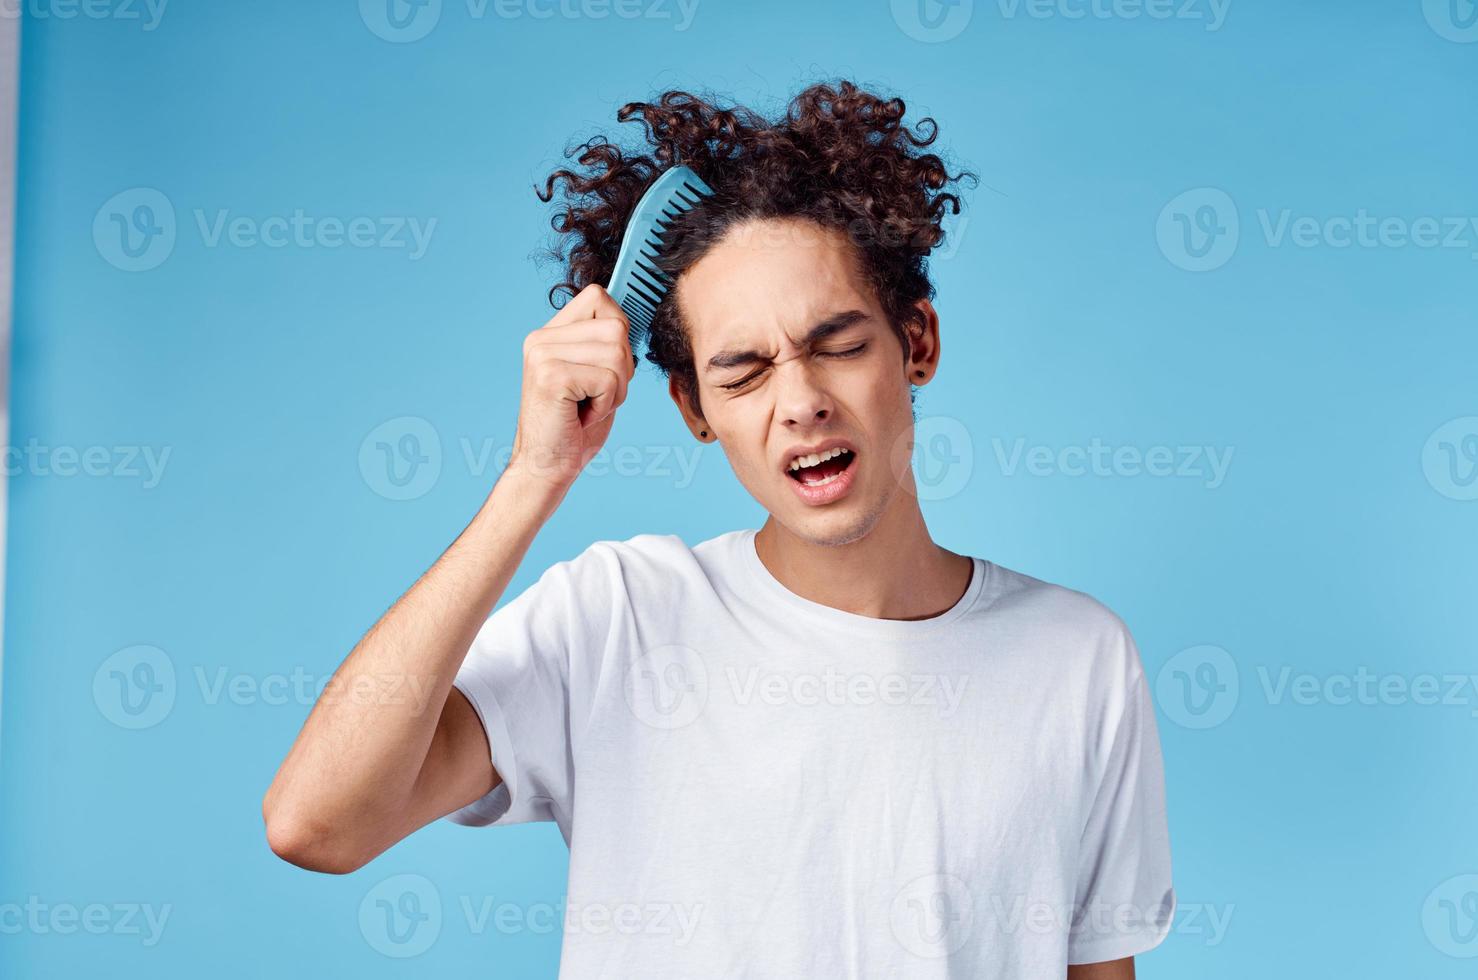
column 575, row 371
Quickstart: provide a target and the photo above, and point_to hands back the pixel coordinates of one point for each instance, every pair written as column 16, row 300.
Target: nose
column 800, row 400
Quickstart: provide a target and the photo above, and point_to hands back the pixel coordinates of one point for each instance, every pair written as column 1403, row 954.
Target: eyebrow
column 835, row 323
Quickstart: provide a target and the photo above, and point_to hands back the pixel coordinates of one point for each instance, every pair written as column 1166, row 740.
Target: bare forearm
column 352, row 771
column 1113, row 970
column 386, row 749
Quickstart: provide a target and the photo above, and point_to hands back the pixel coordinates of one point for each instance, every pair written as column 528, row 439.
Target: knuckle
column 542, row 373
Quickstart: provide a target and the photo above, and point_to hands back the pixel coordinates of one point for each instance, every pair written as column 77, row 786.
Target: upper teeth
column 814, row 458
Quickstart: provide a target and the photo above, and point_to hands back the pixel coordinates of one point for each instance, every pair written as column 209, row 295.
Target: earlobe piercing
column 703, row 434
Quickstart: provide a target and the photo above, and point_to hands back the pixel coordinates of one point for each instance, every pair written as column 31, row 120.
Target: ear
column 694, row 419
column 922, row 358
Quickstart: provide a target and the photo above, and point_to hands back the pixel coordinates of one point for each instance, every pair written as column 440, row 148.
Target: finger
column 598, row 383
column 598, row 353
column 606, row 328
column 592, row 302
column 612, row 332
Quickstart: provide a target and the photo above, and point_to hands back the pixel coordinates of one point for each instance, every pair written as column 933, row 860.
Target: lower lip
column 831, row 492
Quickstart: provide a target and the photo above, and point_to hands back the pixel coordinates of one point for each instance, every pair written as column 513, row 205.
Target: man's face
column 793, row 353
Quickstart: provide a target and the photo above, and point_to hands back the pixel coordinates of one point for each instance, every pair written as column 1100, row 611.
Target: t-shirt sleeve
column 1125, row 902
column 518, row 677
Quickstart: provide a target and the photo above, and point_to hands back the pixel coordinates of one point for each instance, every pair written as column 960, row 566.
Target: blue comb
column 638, row 284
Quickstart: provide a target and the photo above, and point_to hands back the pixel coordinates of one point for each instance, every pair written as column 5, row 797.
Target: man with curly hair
column 828, row 747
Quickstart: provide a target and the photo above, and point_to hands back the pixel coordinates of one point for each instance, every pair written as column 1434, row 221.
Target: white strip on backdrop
column 10, row 28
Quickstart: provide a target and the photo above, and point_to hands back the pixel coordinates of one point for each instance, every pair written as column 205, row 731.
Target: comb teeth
column 638, row 283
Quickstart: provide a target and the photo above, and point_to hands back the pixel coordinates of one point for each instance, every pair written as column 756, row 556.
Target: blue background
column 1318, row 832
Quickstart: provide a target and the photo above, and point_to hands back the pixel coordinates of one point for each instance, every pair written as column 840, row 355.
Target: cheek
column 884, row 389
column 888, row 418
column 745, row 425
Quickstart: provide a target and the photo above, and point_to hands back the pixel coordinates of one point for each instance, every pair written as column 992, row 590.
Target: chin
column 835, row 528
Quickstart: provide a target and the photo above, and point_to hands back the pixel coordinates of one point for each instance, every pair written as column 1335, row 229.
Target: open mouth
column 819, row 469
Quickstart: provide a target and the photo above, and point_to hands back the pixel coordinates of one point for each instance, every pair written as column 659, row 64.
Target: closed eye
column 850, row 352
column 736, row 385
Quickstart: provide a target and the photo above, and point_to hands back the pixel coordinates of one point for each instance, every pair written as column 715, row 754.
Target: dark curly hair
column 840, row 156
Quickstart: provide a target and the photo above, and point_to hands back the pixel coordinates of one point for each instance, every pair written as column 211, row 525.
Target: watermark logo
column 1206, row 922
column 400, row 21
column 679, row 12
column 932, row 916
column 135, row 687
column 1367, row 231
column 1198, row 687
column 674, row 923
column 1199, row 230
column 220, row 686
column 300, row 229
column 148, row 12
column 134, row 230
column 1450, row 917
column 1454, row 20
column 943, row 457
column 400, row 459
column 35, row 458
column 403, row 21
column 1212, row 12
column 1207, row 464
column 41, row 918
column 1450, row 459
column 1098, row 919
column 933, row 21
column 667, row 687
column 401, row 916
column 1368, row 687
column 835, row 688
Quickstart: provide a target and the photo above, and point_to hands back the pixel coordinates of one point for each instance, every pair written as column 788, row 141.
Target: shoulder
column 1065, row 609
column 642, row 552
column 1064, row 623
column 643, row 562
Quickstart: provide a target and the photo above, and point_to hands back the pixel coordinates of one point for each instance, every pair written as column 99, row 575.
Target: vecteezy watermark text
column 935, row 21
column 147, row 12
column 405, row 21
column 1209, row 464
column 137, row 687
column 35, row 458
column 41, row 918
column 403, row 458
column 136, row 230
column 1200, row 230
column 402, row 916
column 835, row 687
column 1201, row 686
column 1213, row 13
column 670, row 686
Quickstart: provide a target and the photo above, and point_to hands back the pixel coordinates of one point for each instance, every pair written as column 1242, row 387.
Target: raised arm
column 390, row 745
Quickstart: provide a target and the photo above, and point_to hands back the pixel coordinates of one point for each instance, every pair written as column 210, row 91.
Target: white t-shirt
column 753, row 784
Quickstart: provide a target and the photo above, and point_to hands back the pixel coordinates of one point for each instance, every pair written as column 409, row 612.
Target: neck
column 894, row 571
